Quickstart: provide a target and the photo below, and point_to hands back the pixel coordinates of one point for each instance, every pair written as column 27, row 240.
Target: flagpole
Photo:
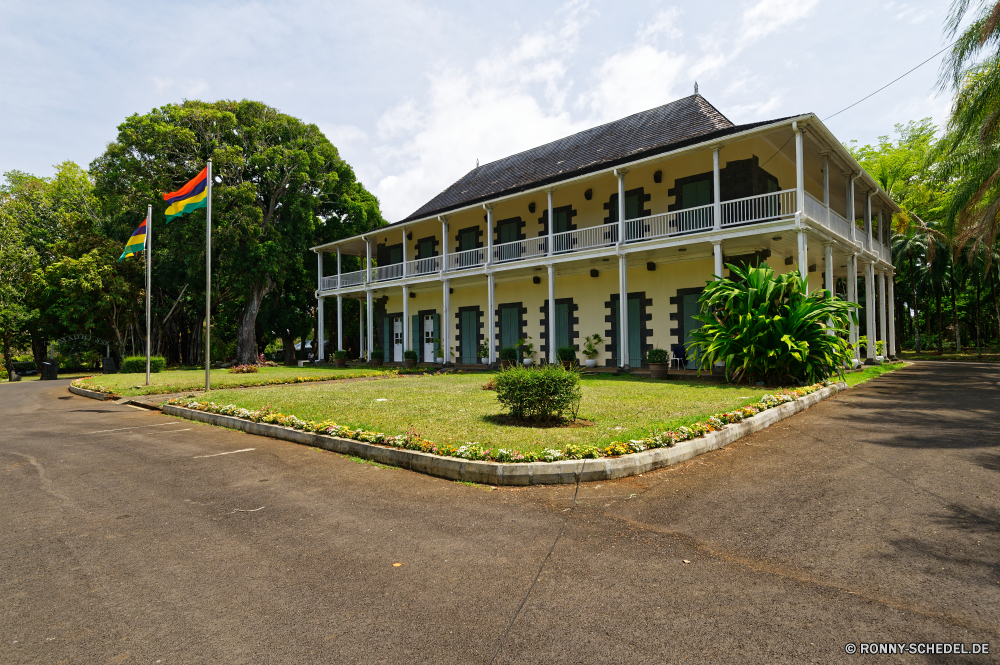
column 149, row 281
column 208, row 277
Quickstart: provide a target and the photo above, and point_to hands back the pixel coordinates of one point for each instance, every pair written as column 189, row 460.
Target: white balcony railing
column 581, row 239
column 816, row 210
column 470, row 258
column 389, row 272
column 423, row 266
column 690, row 220
column 519, row 250
column 344, row 280
column 760, row 208
column 840, row 225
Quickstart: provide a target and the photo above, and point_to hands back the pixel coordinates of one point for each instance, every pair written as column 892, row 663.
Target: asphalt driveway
column 130, row 537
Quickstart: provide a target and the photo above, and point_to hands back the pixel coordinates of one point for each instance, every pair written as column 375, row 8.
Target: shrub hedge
column 539, row 393
column 137, row 364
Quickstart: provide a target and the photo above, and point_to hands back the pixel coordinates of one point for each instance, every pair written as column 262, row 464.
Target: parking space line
column 231, row 452
column 119, row 429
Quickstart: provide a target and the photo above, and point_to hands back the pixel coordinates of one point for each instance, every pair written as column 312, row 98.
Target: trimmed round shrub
column 508, row 353
column 566, row 354
column 656, row 356
column 137, row 364
column 538, row 393
column 340, row 354
column 410, row 354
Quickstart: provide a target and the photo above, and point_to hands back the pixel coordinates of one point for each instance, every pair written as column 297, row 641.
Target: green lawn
column 175, row 381
column 454, row 408
column 990, row 355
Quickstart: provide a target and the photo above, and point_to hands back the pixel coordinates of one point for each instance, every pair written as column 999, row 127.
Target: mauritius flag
column 136, row 243
column 189, row 197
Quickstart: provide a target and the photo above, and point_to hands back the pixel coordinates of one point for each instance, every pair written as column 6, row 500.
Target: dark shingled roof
column 668, row 127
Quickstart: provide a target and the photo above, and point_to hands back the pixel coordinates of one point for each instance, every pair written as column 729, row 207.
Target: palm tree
column 911, row 246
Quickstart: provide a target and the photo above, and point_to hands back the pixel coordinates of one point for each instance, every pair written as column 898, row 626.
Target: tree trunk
column 954, row 311
column 288, row 347
column 39, row 350
column 996, row 305
column 8, row 362
column 916, row 311
column 940, row 318
column 246, row 334
column 979, row 309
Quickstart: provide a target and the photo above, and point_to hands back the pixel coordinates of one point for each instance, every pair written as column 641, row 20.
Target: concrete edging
column 533, row 473
column 92, row 394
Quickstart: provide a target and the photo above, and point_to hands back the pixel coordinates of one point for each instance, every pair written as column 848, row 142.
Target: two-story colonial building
column 644, row 211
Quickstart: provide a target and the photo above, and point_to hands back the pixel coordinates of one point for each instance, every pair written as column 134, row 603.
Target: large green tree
column 280, row 187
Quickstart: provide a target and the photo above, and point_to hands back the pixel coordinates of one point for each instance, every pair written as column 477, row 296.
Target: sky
column 414, row 92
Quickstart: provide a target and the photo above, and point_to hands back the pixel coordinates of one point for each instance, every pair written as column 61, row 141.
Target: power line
column 892, row 81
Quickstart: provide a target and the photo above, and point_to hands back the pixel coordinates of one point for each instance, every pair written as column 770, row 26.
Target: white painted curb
column 92, row 394
column 533, row 473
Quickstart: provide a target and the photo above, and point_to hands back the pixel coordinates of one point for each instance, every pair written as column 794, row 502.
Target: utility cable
column 544, row 561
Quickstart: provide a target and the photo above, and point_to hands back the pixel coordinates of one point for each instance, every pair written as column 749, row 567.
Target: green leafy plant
column 766, row 329
column 508, row 353
column 340, row 354
column 410, row 354
column 591, row 345
column 244, row 369
column 378, row 354
column 655, row 355
column 566, row 354
column 483, row 350
column 863, row 346
column 526, row 348
column 540, row 394
column 137, row 364
column 437, row 347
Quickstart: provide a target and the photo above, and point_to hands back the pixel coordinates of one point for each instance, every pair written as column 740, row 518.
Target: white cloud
column 908, row 13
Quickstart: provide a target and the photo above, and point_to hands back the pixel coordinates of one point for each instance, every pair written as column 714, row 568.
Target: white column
column 870, row 312
column 320, row 330
column 368, row 260
column 852, row 296
column 491, row 316
column 340, row 309
column 891, row 306
column 828, row 276
column 407, row 326
column 552, row 247
column 444, row 243
column 716, row 197
column 717, row 253
column 361, row 327
column 489, row 237
column 621, row 204
column 882, row 312
column 826, row 180
column 319, row 271
column 551, row 332
column 850, row 205
column 804, row 257
column 800, row 178
column 404, row 257
column 623, row 311
column 371, row 324
column 868, row 221
column 446, row 321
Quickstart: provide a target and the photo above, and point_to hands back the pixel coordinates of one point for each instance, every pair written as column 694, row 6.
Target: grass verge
column 177, row 381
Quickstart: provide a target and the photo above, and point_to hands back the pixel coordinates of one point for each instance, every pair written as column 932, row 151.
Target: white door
column 429, row 338
column 397, row 339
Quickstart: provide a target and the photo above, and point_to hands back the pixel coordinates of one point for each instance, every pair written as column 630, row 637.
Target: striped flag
column 190, row 197
column 136, row 243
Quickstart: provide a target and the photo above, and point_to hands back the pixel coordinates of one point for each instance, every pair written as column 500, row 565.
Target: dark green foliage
column 566, row 353
column 657, row 356
column 378, row 354
column 765, row 330
column 508, row 353
column 538, row 393
column 409, row 354
column 137, row 364
column 340, row 354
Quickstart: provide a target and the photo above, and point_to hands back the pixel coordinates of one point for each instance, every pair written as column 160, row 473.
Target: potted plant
column 438, row 353
column 508, row 356
column 527, row 350
column 410, row 358
column 590, row 349
column 567, row 356
column 659, row 362
column 340, row 358
column 378, row 357
column 484, row 353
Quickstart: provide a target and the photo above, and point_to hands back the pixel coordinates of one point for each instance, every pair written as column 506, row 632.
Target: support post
column 149, row 285
column 404, row 255
column 826, row 187
column 319, row 270
column 370, row 314
column 489, row 234
column 870, row 312
column 208, row 278
column 551, row 332
column 444, row 243
column 491, row 284
column 828, row 277
column 716, row 195
column 621, row 204
column 800, row 178
column 868, row 221
column 850, row 205
column 882, row 313
column 368, row 260
column 407, row 325
column 551, row 225
column 320, row 329
column 804, row 257
column 361, row 326
column 340, row 309
column 623, row 312
column 446, row 322
column 717, row 253
column 852, row 296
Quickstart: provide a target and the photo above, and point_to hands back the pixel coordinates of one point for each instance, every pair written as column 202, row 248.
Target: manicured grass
column 176, row 381
column 454, row 409
column 990, row 355
column 868, row 373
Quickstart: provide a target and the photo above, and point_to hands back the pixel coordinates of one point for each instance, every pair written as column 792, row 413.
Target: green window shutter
column 634, row 344
column 425, row 249
column 697, row 193
column 631, row 206
column 508, row 326
column 437, row 333
column 508, row 232
column 415, row 340
column 613, row 209
column 562, row 325
column 467, row 241
column 395, row 255
column 468, row 351
column 691, row 309
column 562, row 222
column 615, row 325
column 387, row 336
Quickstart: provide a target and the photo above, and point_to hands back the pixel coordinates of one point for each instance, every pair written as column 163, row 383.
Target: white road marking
column 102, row 431
column 186, row 429
column 231, row 452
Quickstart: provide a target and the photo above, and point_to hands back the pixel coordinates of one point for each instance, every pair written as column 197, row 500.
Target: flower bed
column 473, row 450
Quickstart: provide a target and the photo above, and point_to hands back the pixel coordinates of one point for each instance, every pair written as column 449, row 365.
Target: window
column 507, row 230
column 632, row 205
column 425, row 248
column 395, row 254
column 697, row 193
